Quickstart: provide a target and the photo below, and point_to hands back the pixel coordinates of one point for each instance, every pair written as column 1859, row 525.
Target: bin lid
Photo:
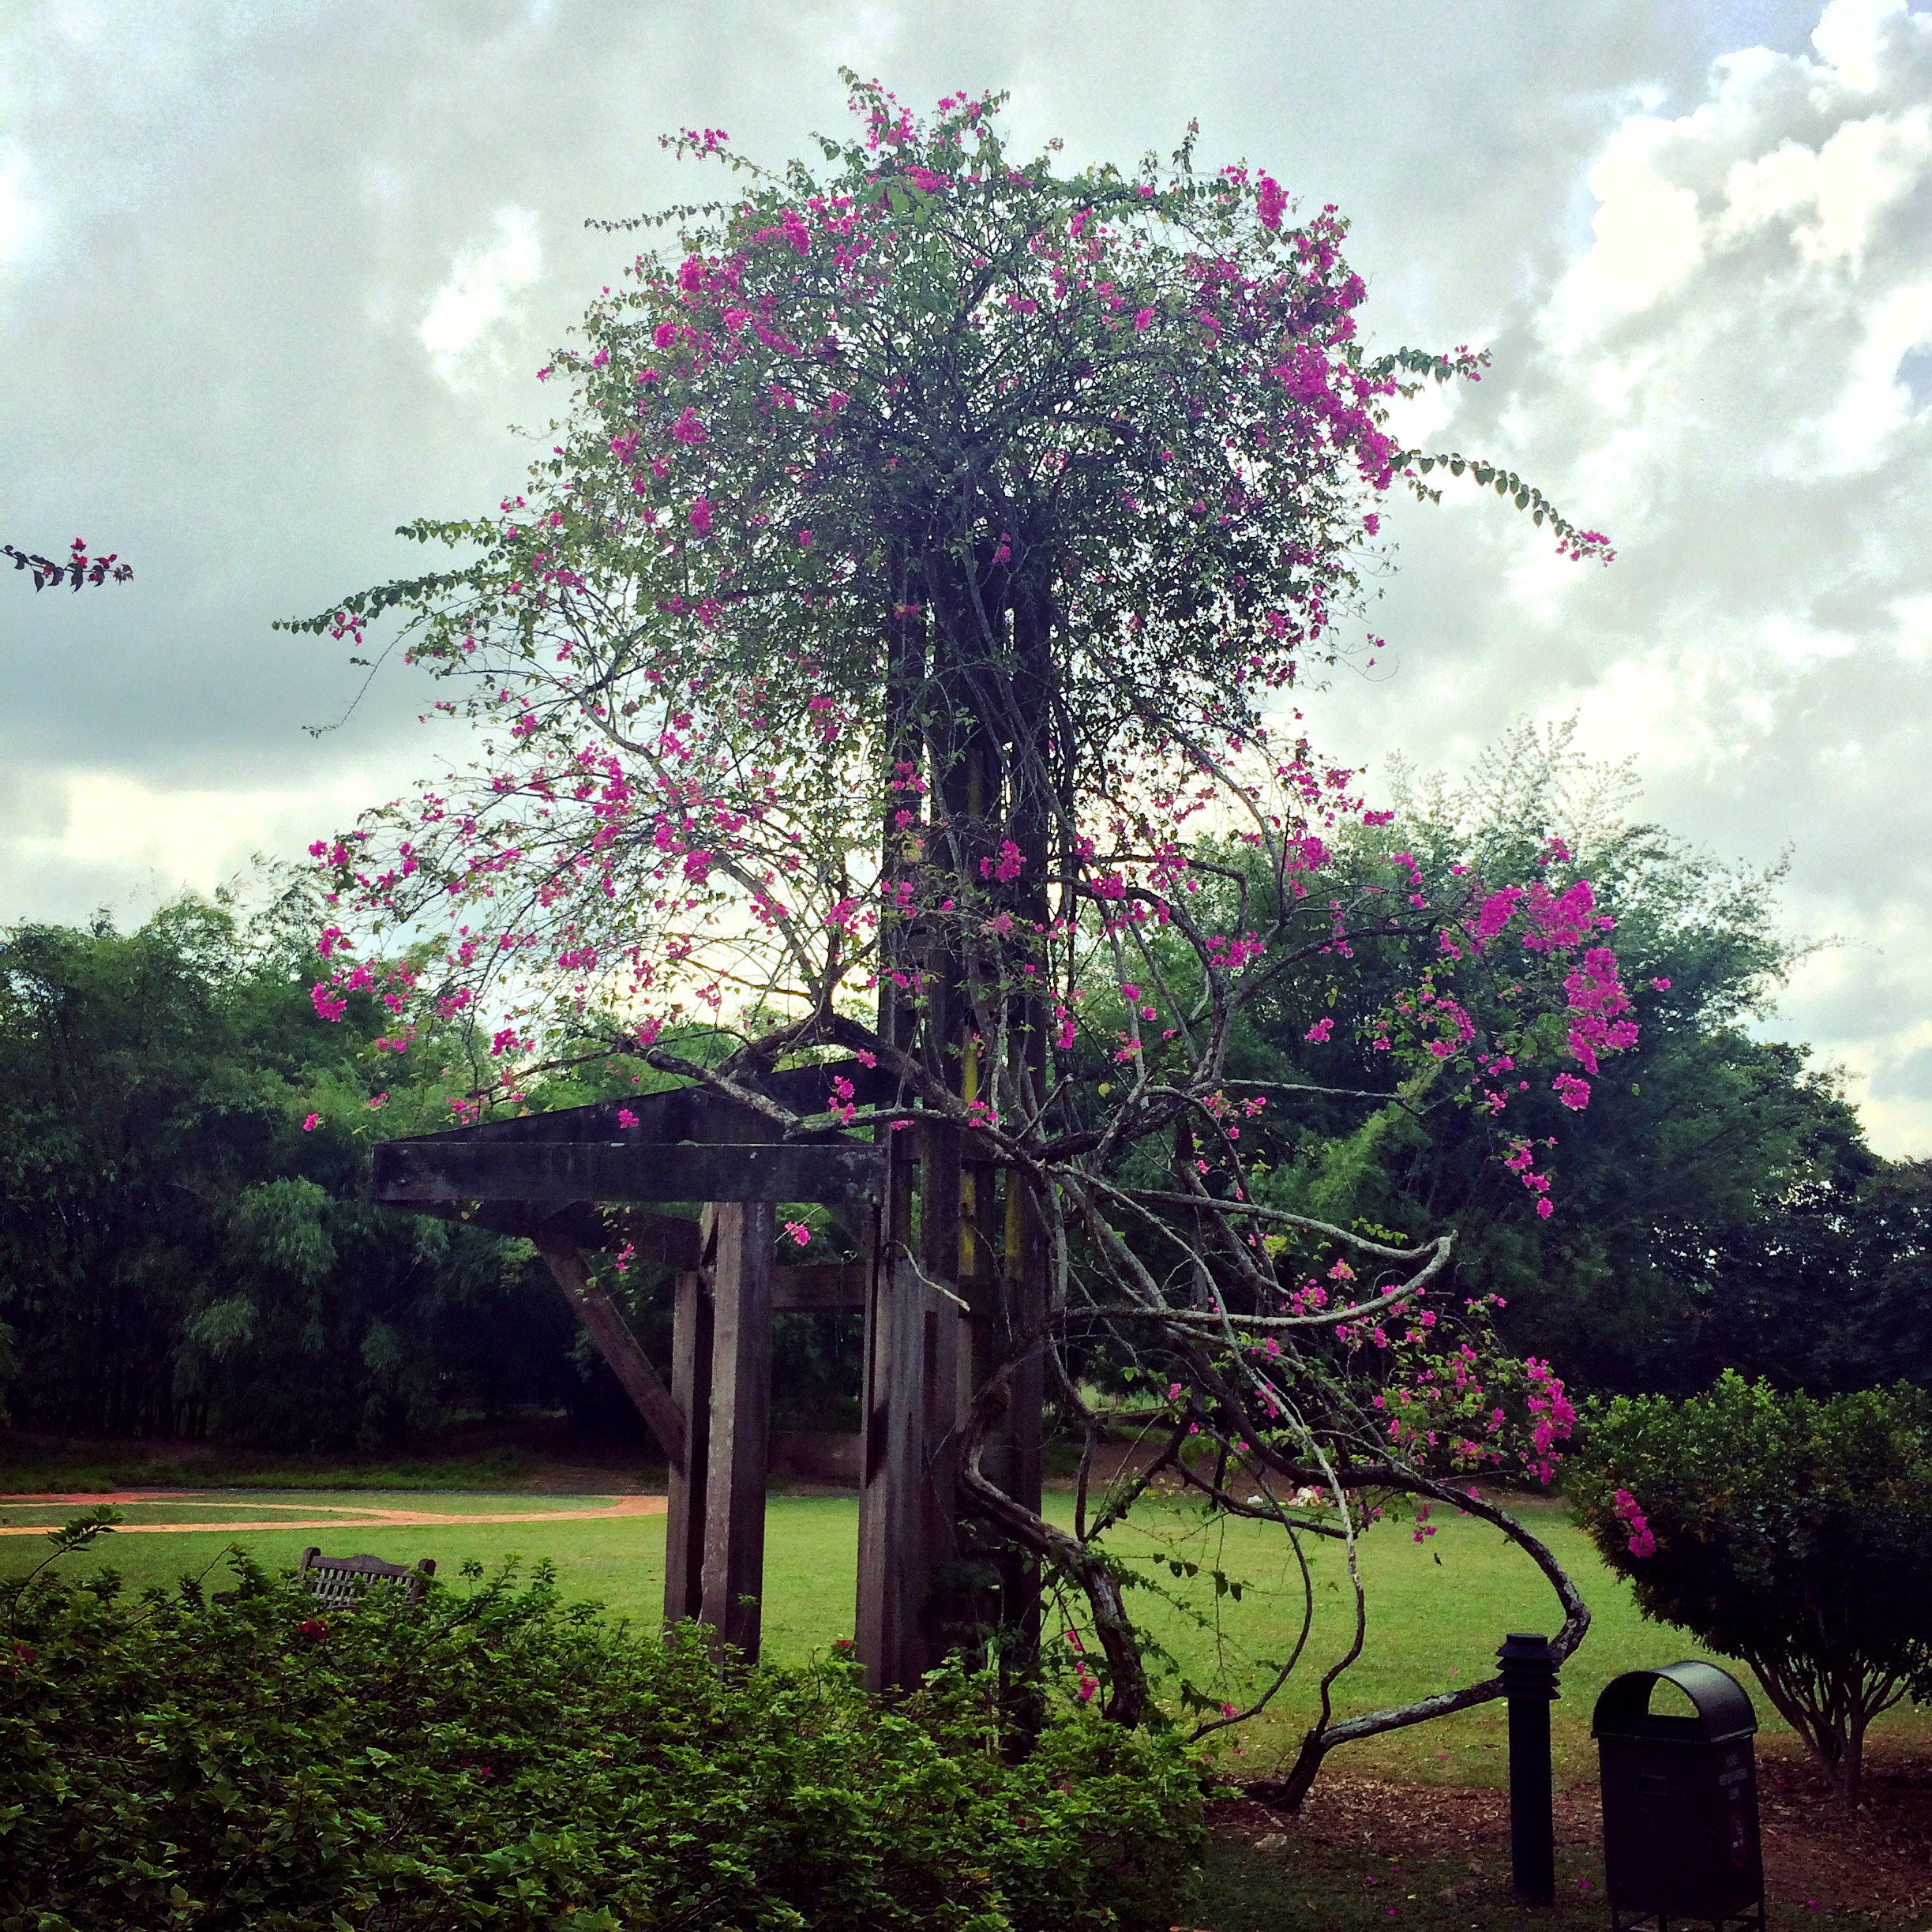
column 1724, row 1710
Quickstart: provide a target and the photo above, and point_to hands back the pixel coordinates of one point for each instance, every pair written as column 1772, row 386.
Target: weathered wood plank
column 821, row 1288
column 885, row 1615
column 941, row 1236
column 408, row 1173
column 733, row 1581
column 618, row 1346
column 671, row 1239
column 1014, row 1457
column 683, row 1113
column 1027, row 1262
column 691, row 1389
column 907, row 1531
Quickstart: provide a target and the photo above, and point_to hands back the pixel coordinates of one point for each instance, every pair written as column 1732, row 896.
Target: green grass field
column 1432, row 1623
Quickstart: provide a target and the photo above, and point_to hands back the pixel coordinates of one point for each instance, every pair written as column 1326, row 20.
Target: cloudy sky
column 274, row 277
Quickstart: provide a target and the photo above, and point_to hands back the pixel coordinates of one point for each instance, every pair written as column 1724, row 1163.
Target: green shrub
column 495, row 1757
column 1794, row 1533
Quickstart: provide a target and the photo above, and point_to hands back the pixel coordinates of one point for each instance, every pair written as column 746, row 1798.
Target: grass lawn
column 1433, row 1621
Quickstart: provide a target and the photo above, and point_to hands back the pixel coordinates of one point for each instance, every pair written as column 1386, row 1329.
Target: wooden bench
column 337, row 1582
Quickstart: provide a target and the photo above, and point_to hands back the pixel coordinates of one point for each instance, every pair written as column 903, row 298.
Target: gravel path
column 319, row 1516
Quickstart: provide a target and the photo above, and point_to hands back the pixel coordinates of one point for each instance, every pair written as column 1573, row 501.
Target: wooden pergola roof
column 583, row 1178
column 553, row 1175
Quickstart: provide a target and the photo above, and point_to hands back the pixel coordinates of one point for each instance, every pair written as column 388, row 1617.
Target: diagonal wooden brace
column 618, row 1346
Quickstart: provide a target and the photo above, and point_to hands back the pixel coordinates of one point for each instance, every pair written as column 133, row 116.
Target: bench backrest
column 337, row 1582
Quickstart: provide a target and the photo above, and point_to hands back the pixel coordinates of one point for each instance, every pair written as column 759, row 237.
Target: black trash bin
column 1680, row 1802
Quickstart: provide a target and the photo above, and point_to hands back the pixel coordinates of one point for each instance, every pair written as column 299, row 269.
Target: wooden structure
column 337, row 1582
column 937, row 1310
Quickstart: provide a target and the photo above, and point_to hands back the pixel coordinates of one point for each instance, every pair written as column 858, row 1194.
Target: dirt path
column 320, row 1515
column 1877, row 1860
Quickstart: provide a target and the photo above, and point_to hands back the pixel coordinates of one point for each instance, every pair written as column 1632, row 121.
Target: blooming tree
column 894, row 657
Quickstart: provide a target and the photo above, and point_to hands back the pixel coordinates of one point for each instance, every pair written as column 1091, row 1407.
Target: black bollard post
column 1529, row 1683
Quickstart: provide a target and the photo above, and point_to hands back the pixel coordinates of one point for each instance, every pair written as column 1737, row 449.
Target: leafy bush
column 1792, row 1533
column 497, row 1758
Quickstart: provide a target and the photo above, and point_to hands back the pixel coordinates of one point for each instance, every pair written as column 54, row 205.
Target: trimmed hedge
column 497, row 1758
column 1792, row 1531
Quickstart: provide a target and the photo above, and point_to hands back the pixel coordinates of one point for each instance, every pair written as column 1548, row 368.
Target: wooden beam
column 407, row 1173
column 1027, row 1260
column 685, row 1113
column 732, row 1581
column 886, row 1611
column 691, row 1389
column 618, row 1346
column 1015, row 1461
column 672, row 1238
column 821, row 1288
column 941, row 1234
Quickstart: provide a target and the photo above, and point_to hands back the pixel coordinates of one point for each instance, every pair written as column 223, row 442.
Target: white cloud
column 106, row 836
column 1758, row 261
column 1875, row 400
column 1721, row 376
column 20, row 220
column 1416, row 422
column 1646, row 229
column 1849, row 35
column 478, row 295
column 1847, row 184
column 1913, row 640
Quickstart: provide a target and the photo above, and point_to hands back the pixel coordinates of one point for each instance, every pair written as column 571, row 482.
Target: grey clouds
column 275, row 278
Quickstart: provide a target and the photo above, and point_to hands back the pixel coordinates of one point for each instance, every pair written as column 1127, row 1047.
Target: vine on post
column 894, row 653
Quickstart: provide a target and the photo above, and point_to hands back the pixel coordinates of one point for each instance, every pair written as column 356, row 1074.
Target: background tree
column 1832, row 1290
column 186, row 1247
column 919, row 573
column 1711, row 1187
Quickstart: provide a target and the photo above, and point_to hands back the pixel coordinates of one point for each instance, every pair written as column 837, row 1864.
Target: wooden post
column 892, row 1580
column 1029, row 1307
column 1019, row 1468
column 691, row 1389
column 937, row 1384
column 732, row 1580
